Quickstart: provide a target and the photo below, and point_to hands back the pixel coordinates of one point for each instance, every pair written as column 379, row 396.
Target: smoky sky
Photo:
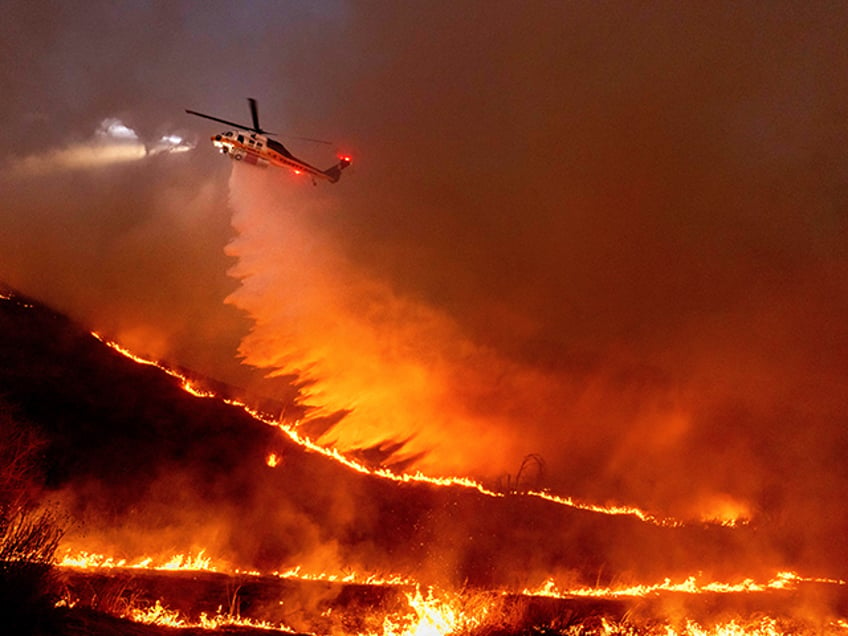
column 640, row 205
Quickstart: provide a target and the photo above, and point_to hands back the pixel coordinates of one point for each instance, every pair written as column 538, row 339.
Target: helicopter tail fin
column 335, row 172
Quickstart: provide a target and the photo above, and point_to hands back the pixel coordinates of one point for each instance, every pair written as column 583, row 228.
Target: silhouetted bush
column 29, row 533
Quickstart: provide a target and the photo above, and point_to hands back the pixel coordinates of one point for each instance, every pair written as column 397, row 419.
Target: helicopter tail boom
column 335, row 173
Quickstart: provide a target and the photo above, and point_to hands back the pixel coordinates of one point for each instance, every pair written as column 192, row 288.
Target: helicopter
column 254, row 146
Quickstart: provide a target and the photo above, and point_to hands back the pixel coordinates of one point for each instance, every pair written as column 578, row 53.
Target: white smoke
column 112, row 143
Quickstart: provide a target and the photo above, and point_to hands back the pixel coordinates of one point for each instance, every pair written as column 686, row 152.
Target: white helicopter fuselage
column 258, row 150
column 253, row 146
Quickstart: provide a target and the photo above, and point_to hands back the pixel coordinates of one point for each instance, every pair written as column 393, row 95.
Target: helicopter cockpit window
column 240, row 139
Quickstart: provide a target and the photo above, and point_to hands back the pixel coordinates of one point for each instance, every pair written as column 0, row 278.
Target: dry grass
column 29, row 533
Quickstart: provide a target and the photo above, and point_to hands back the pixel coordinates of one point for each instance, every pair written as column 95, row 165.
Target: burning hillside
column 152, row 468
column 147, row 464
column 566, row 353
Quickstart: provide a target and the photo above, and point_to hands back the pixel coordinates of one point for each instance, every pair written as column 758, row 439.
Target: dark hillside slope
column 144, row 467
column 109, row 419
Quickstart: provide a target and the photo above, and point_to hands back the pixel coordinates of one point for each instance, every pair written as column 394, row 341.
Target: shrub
column 29, row 533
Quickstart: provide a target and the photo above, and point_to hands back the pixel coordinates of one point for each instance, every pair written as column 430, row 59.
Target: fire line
column 384, row 473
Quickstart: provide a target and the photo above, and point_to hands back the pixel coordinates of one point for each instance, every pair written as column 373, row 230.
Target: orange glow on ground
column 273, row 460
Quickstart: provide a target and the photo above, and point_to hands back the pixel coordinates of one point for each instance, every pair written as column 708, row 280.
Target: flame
column 785, row 580
column 432, row 612
column 158, row 614
column 433, row 615
column 724, row 510
column 766, row 626
column 354, row 578
column 84, row 560
column 273, row 460
column 691, row 585
column 406, row 367
column 428, row 615
column 608, row 510
column 291, row 430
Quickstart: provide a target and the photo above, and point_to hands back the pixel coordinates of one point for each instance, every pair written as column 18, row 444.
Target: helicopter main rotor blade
column 254, row 111
column 218, row 119
column 312, row 139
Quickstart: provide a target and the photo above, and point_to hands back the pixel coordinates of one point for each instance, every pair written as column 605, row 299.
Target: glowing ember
column 7, row 295
column 273, row 460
